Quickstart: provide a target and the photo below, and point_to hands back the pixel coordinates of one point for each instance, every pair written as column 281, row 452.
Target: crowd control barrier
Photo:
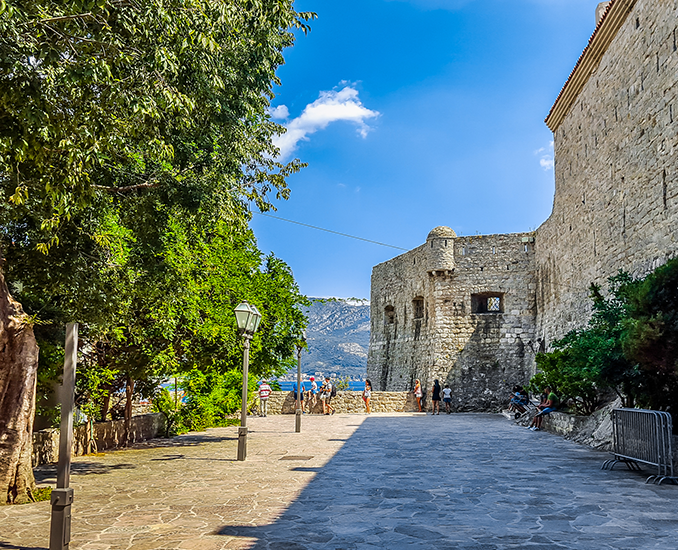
column 642, row 436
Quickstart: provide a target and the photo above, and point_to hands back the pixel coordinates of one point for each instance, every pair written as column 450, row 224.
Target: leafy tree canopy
column 124, row 96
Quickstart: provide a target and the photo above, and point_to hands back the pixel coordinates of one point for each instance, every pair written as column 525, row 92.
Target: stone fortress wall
column 616, row 169
column 615, row 207
column 457, row 309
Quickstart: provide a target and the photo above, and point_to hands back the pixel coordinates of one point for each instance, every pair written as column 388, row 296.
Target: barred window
column 487, row 302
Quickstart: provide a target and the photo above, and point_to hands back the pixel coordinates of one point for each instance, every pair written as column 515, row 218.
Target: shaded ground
column 464, row 481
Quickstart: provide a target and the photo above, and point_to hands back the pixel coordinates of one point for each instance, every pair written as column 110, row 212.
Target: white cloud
column 546, row 160
column 331, row 106
column 546, row 163
column 280, row 112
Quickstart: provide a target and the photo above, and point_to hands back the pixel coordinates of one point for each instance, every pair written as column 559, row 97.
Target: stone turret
column 440, row 249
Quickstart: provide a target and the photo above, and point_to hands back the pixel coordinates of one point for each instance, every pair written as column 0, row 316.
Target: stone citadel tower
column 473, row 311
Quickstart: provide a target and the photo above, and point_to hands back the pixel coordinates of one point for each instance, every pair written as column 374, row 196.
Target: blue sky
column 413, row 114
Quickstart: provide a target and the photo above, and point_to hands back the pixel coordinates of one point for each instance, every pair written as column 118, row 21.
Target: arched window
column 418, row 307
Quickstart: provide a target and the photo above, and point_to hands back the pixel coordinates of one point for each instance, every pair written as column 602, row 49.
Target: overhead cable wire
column 331, row 231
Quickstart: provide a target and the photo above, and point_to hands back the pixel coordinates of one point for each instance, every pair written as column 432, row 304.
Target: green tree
column 115, row 116
column 650, row 337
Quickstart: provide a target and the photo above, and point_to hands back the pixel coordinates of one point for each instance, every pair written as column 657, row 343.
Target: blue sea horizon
column 353, row 385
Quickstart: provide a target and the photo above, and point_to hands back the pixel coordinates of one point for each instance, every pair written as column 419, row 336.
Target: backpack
column 333, row 393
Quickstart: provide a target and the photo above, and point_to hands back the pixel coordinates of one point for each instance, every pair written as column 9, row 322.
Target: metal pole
column 242, row 430
column 297, row 419
column 62, row 496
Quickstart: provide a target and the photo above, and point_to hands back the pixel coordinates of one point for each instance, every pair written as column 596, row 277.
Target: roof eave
column 606, row 30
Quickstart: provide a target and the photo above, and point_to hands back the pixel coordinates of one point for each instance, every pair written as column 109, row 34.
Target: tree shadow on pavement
column 47, row 472
column 9, row 546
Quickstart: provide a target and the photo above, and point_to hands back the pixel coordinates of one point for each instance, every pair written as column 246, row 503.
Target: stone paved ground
column 466, row 481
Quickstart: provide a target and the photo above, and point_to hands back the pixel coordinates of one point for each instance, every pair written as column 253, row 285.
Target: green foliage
column 165, row 404
column 42, row 493
column 343, row 384
column 568, row 377
column 212, row 397
column 134, row 137
column 630, row 345
column 132, row 96
column 650, row 337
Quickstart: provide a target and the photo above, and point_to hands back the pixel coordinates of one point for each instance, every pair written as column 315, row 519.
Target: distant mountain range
column 338, row 337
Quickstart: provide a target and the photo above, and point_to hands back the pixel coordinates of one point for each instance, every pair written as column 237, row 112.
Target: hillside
column 338, row 337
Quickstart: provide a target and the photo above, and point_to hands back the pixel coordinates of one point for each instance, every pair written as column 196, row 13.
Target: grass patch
column 42, row 493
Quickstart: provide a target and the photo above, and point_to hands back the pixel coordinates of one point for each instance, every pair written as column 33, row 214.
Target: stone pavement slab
column 462, row 481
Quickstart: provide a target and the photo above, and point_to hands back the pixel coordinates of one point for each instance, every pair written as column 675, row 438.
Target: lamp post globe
column 247, row 318
column 243, row 313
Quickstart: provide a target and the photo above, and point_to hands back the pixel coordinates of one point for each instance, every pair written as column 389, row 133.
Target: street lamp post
column 62, row 496
column 297, row 420
column 248, row 317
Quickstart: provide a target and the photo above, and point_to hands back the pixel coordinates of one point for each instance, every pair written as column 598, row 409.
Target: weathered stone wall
column 106, row 435
column 479, row 354
column 616, row 171
column 347, row 402
column 615, row 207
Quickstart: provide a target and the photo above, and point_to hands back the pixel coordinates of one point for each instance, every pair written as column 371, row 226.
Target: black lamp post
column 248, row 317
column 300, row 404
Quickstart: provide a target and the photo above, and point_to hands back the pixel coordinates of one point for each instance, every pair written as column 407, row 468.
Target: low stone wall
column 106, row 435
column 564, row 424
column 347, row 402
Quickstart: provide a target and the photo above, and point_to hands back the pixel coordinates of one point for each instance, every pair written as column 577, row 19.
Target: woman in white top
column 367, row 395
column 418, row 393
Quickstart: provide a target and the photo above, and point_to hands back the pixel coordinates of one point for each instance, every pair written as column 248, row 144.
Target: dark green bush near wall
column 630, row 346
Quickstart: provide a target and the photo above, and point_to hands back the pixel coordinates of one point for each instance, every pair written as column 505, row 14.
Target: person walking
column 312, row 395
column 367, row 395
column 264, row 393
column 435, row 397
column 418, row 393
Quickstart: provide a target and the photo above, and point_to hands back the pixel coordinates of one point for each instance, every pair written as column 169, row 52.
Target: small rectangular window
column 418, row 307
column 487, row 302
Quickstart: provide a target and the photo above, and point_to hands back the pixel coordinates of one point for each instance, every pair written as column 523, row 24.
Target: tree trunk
column 129, row 393
column 18, row 376
column 106, row 404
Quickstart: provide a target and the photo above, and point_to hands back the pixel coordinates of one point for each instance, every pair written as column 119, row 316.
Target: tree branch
column 147, row 185
column 64, row 18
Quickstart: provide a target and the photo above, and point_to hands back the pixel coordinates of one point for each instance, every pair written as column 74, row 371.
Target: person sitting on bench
column 545, row 407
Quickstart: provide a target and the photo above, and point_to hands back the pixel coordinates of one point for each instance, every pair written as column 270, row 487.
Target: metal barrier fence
column 643, row 436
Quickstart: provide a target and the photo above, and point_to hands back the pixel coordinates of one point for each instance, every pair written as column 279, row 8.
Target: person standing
column 326, row 396
column 312, row 395
column 435, row 397
column 367, row 395
column 264, row 393
column 301, row 394
column 418, row 393
column 447, row 398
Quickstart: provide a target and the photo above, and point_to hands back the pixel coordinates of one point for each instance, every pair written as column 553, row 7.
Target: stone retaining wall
column 564, row 424
column 106, row 435
column 281, row 402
